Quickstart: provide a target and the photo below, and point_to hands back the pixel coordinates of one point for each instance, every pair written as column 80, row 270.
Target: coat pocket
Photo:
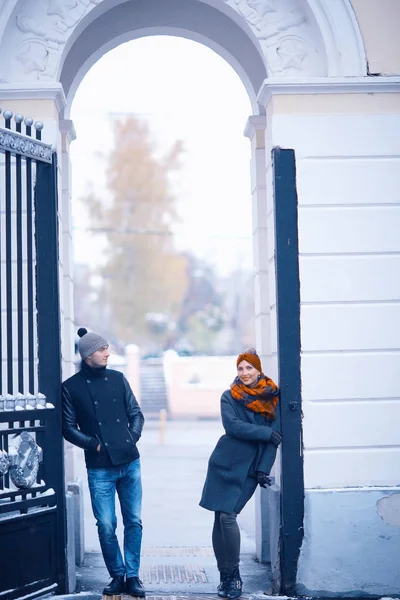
column 225, row 453
column 131, row 436
column 234, row 454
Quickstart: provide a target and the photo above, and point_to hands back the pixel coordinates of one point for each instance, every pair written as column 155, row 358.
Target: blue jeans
column 103, row 483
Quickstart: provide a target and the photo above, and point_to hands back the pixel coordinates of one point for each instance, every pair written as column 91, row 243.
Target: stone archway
column 304, row 68
column 59, row 40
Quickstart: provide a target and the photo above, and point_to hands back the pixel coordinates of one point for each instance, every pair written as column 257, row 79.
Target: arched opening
column 215, row 105
column 223, row 31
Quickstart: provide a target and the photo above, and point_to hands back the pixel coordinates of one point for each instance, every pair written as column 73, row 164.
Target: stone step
column 153, row 392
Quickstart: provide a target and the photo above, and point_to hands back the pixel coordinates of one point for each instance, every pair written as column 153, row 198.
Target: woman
column 241, row 460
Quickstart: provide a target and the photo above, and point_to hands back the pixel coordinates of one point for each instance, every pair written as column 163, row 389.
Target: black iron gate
column 32, row 511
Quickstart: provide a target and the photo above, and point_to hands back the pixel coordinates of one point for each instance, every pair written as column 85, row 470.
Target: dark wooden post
column 288, row 327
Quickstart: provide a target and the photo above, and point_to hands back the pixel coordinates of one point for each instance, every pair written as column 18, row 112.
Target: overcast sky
column 185, row 91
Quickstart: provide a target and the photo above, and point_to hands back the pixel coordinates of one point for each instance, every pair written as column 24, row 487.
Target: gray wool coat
column 244, row 449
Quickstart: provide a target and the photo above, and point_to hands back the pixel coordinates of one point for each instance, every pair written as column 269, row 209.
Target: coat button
column 118, row 420
column 105, row 378
column 128, row 441
column 106, row 444
column 114, row 400
column 100, row 423
column 87, row 380
column 96, row 402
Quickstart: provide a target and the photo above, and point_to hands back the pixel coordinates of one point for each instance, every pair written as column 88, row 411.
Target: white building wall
column 65, row 199
column 348, row 176
column 349, row 247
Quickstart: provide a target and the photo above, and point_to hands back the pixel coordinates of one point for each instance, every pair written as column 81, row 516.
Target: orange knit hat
column 252, row 357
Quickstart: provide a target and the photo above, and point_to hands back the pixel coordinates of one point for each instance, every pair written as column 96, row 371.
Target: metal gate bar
column 20, row 314
column 30, row 264
column 9, row 286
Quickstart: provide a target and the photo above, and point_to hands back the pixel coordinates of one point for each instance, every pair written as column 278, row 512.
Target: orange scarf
column 262, row 398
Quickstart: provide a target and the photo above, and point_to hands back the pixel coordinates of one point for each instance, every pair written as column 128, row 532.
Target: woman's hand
column 263, row 479
column 276, row 438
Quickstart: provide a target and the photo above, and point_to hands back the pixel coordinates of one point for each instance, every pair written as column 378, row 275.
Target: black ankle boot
column 235, row 585
column 115, row 587
column 222, row 589
column 134, row 587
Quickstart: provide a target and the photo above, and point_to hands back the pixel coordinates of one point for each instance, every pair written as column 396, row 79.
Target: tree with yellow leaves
column 144, row 278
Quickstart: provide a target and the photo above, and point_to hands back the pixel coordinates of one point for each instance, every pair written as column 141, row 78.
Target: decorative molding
column 34, row 91
column 26, row 146
column 67, row 128
column 327, row 85
column 37, row 35
column 297, row 37
column 255, row 123
column 61, row 8
column 286, row 35
column 6, row 9
column 33, row 57
column 24, row 458
column 22, row 461
column 343, row 41
column 4, row 462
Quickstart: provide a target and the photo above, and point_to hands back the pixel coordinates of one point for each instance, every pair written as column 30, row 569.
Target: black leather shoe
column 115, row 587
column 134, row 587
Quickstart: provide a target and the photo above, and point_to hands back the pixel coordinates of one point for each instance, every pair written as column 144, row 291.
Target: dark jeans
column 226, row 540
column 126, row 481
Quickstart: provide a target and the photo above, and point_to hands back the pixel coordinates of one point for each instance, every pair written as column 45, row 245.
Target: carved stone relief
column 285, row 34
column 22, row 460
column 4, row 462
column 41, row 28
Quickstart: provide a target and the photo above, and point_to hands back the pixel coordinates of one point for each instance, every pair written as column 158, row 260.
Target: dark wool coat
column 243, row 450
column 99, row 408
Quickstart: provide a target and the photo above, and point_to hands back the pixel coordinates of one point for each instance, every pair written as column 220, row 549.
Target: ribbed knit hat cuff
column 89, row 342
column 100, row 343
column 250, row 357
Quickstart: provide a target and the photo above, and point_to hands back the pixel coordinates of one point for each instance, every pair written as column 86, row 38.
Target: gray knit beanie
column 89, row 342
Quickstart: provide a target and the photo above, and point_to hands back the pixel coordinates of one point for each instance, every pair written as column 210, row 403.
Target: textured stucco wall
column 352, row 543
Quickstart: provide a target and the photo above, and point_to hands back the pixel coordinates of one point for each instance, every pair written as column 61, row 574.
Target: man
column 101, row 415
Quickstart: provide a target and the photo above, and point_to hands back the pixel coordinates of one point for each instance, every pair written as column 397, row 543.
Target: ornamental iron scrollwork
column 4, row 462
column 19, row 144
column 24, row 458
